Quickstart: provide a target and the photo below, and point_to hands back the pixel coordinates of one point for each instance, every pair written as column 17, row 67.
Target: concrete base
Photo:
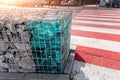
column 36, row 76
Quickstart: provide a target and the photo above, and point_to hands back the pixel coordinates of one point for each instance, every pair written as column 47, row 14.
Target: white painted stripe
column 93, row 22
column 96, row 43
column 73, row 47
column 97, row 18
column 93, row 29
column 86, row 71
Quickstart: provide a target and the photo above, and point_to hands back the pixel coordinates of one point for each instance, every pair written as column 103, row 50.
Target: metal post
column 96, row 5
column 68, row 4
column 110, row 6
column 83, row 5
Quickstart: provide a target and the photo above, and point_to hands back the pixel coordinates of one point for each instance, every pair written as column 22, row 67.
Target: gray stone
column 1, row 52
column 4, row 65
column 6, row 45
column 27, row 46
column 29, row 53
column 27, row 63
column 25, row 37
column 16, row 60
column 20, row 21
column 1, row 28
column 0, row 36
column 8, row 32
column 20, row 28
column 20, row 54
column 22, row 46
column 2, row 58
column 11, row 27
column 8, row 55
column 1, row 25
column 15, row 38
column 4, row 36
column 10, row 37
column 14, row 68
column 11, row 45
column 3, row 69
column 9, row 58
column 17, row 69
column 3, row 45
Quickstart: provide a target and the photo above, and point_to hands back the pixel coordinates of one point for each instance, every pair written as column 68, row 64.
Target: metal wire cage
column 39, row 45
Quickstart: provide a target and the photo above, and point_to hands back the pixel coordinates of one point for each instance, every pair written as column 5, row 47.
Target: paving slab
column 11, row 76
column 32, row 76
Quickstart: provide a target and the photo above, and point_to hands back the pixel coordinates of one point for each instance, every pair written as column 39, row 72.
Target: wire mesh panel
column 39, row 45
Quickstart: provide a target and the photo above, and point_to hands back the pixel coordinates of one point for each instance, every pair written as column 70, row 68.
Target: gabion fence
column 37, row 45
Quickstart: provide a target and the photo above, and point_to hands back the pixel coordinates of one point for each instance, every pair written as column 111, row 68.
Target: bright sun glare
column 7, row 1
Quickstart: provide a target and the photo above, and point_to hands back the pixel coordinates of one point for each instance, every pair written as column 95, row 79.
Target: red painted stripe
column 105, row 12
column 95, row 25
column 112, row 21
column 97, row 60
column 100, row 12
column 114, row 15
column 99, row 52
column 97, row 16
column 105, row 36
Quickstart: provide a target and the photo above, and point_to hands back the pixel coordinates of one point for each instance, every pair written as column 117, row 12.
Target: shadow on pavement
column 77, row 69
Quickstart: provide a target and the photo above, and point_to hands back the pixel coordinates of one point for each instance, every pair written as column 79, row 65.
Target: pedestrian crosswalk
column 96, row 35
